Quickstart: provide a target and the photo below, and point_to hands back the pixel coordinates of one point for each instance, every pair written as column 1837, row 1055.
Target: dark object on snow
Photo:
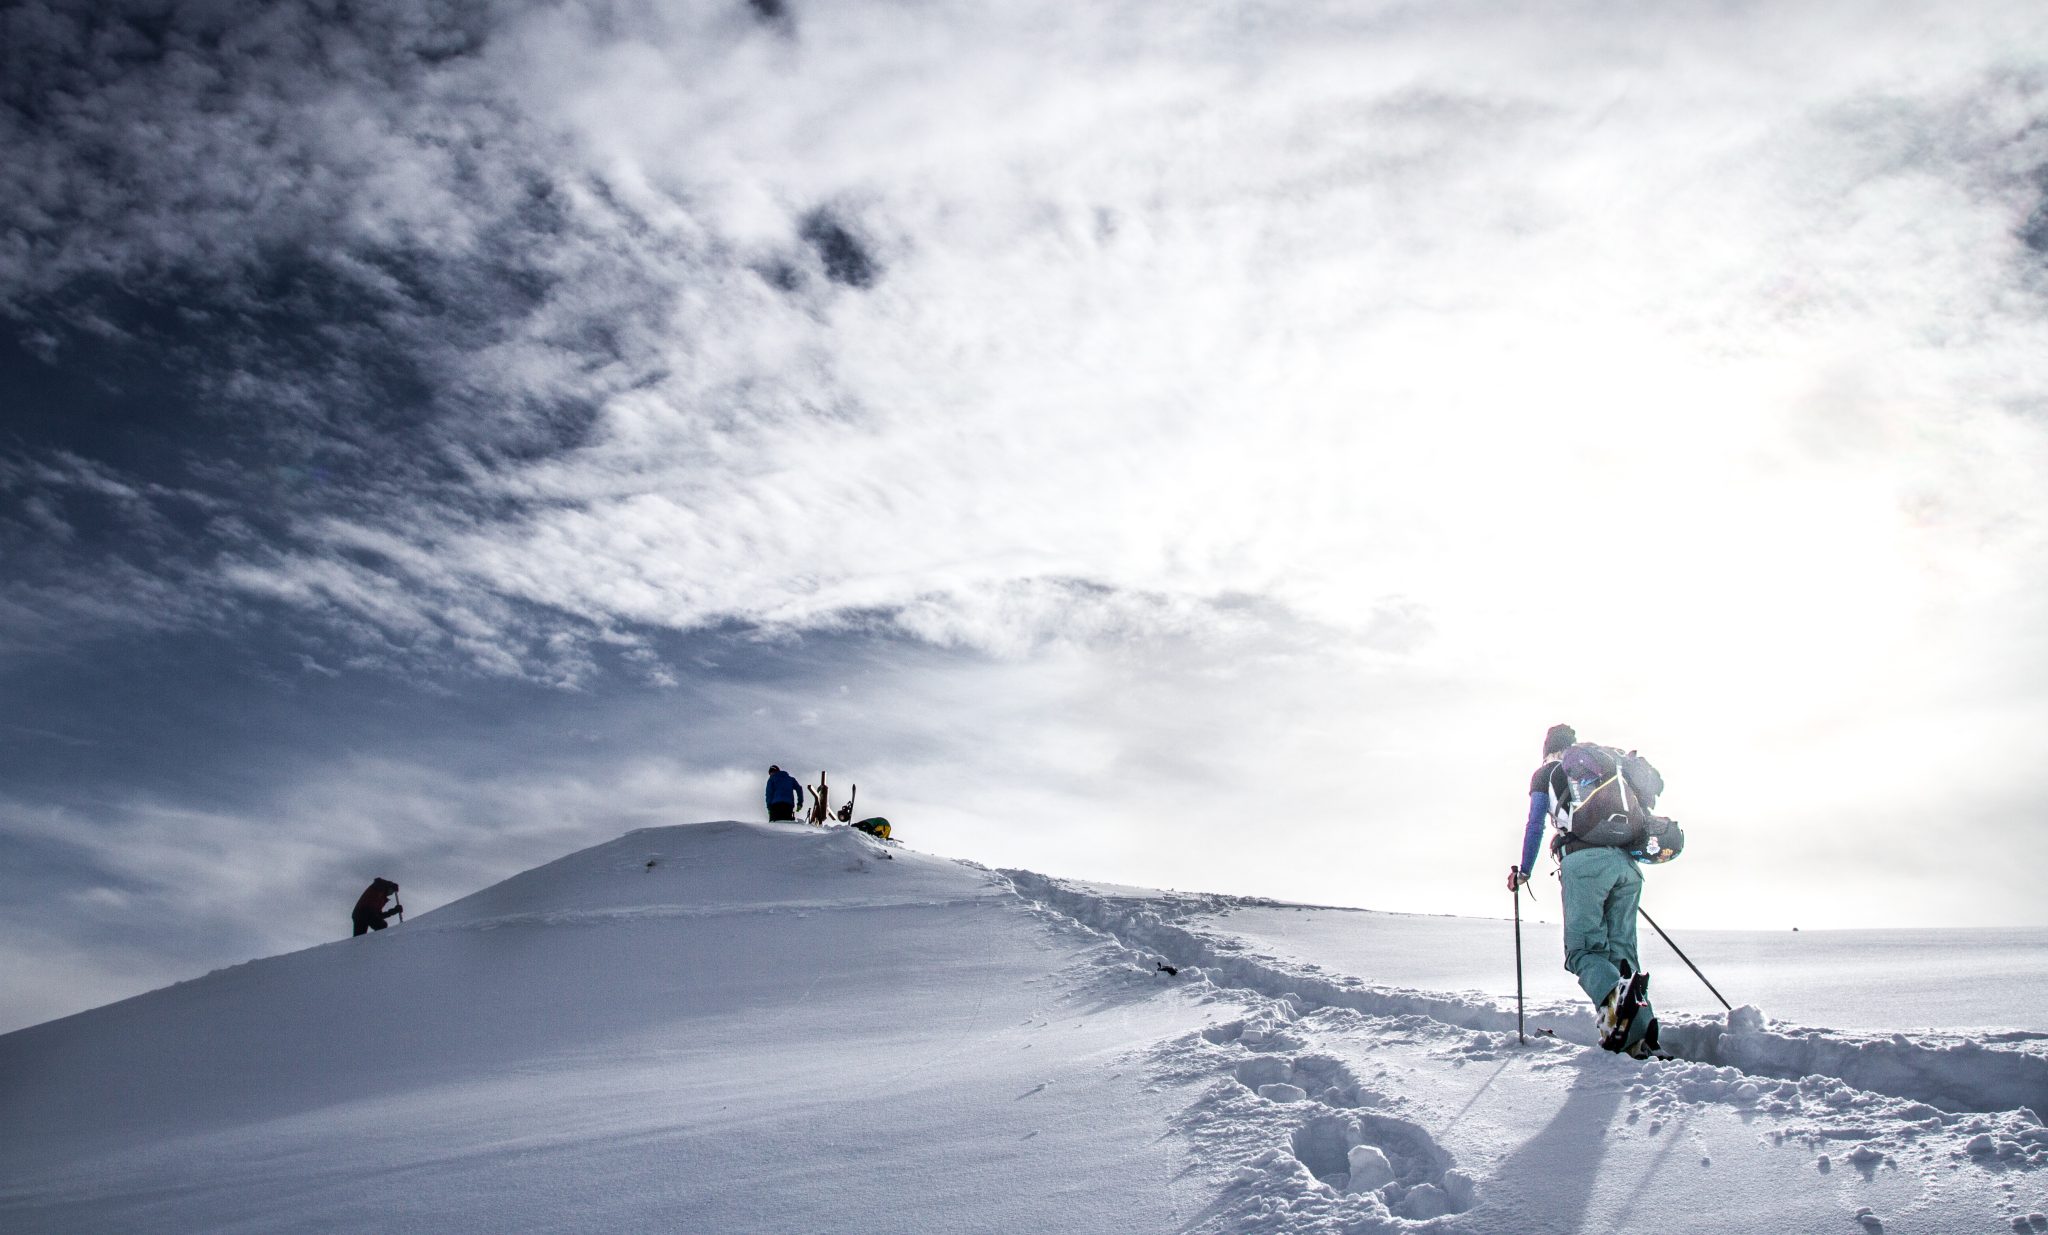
column 877, row 827
column 785, row 793
column 369, row 913
column 1167, row 969
column 845, row 811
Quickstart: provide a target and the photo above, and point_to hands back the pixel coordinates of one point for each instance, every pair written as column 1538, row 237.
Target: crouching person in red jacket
column 369, row 912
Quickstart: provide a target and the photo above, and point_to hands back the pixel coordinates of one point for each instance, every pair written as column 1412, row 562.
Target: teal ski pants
column 1602, row 888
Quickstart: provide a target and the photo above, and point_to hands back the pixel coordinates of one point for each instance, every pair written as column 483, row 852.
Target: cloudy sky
column 1188, row 444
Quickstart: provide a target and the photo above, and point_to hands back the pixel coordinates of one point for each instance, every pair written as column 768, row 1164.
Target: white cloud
column 1345, row 315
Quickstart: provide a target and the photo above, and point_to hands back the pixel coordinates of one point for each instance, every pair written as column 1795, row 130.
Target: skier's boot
column 1639, row 1022
column 1626, row 1004
column 1609, row 1022
column 1645, row 1046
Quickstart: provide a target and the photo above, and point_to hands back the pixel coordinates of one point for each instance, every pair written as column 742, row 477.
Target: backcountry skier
column 1602, row 888
column 785, row 794
column 369, row 913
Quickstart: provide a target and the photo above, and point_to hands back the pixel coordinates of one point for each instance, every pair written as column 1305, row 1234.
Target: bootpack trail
column 1344, row 1079
column 1964, row 1074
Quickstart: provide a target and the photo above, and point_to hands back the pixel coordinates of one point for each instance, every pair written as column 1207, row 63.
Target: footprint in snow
column 1353, row 1149
column 1282, row 1078
column 1365, row 1152
column 1260, row 1035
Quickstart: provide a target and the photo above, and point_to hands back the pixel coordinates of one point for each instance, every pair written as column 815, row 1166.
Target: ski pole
column 1515, row 890
column 1682, row 956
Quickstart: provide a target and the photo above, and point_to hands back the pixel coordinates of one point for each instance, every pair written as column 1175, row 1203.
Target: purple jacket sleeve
column 1539, row 810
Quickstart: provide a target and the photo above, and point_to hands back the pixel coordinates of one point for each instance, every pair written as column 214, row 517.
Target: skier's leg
column 1589, row 875
column 1622, row 901
column 1639, row 1034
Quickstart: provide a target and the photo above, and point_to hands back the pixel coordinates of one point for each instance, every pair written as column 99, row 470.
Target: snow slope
column 745, row 1027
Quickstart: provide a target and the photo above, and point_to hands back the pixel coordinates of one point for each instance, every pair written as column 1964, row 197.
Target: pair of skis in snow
column 821, row 804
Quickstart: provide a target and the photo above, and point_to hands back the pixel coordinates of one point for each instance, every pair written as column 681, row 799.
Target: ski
column 1540, row 1032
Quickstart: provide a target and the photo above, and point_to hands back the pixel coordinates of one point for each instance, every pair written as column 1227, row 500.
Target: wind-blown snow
column 745, row 1027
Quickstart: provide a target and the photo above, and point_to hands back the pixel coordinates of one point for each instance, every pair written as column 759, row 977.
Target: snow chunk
column 1262, row 1070
column 1425, row 1201
column 1370, row 1169
column 1281, row 1091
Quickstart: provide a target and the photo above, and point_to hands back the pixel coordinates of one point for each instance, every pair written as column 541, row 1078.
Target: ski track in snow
column 1320, row 1149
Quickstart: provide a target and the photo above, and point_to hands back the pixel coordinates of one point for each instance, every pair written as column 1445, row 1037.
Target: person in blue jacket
column 1602, row 888
column 785, row 794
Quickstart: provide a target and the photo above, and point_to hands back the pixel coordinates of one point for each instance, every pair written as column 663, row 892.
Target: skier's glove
column 1516, row 879
column 398, row 909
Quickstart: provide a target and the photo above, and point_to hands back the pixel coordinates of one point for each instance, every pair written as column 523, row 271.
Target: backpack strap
column 1580, row 799
column 1561, row 811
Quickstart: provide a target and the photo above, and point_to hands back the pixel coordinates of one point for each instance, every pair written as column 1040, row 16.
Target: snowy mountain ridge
column 747, row 1027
